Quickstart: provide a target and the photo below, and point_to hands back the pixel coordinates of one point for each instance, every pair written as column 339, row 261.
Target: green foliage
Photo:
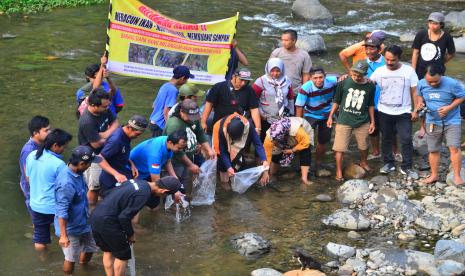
column 33, row 6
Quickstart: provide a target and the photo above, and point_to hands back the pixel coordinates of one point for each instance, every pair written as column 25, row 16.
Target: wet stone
column 265, row 272
column 250, row 245
column 323, row 198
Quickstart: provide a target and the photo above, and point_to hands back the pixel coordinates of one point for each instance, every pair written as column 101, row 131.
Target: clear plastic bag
column 244, row 179
column 204, row 185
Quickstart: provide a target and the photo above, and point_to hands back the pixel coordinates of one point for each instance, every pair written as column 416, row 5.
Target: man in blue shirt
column 42, row 169
column 150, row 156
column 94, row 77
column 39, row 127
column 314, row 103
column 72, row 210
column 166, row 99
column 116, row 165
column 441, row 96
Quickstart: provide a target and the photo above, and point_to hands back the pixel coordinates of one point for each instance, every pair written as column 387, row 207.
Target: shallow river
column 43, row 66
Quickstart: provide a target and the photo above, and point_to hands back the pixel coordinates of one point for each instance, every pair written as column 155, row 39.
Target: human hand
column 443, row 110
column 342, row 77
column 211, row 154
column 234, row 43
column 120, row 178
column 194, row 169
column 103, row 60
column 178, row 196
column 265, row 178
column 414, row 116
column 329, row 122
column 132, row 239
column 135, row 171
column 288, row 151
column 231, row 172
column 64, row 241
column 371, row 128
column 204, row 126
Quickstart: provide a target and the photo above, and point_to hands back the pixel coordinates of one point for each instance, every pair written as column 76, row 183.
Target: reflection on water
column 43, row 67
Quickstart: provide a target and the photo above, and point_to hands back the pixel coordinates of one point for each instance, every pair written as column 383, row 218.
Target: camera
column 422, row 111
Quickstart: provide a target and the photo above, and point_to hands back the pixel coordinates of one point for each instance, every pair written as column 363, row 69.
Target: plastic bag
column 204, row 185
column 132, row 262
column 244, row 179
column 182, row 209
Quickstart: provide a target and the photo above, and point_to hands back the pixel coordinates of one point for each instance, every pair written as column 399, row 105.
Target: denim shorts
column 41, row 227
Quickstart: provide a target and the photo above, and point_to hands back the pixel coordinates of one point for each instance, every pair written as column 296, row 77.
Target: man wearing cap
column 357, row 51
column 314, row 103
column 236, row 95
column 187, row 91
column 398, row 86
column 355, row 100
column 166, row 99
column 433, row 45
column 186, row 117
column 296, row 61
column 96, row 125
column 94, row 77
column 72, row 210
column 115, row 153
column 111, row 219
column 231, row 135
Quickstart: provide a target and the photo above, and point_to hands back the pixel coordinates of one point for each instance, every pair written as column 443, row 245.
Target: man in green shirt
column 355, row 100
column 187, row 116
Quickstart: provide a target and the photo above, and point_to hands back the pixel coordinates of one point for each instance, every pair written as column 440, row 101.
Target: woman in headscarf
column 285, row 138
column 275, row 94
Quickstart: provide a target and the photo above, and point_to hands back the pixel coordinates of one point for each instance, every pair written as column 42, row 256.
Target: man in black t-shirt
column 430, row 46
column 96, row 124
column 236, row 95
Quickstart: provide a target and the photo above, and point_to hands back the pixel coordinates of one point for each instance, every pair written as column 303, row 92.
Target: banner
column 144, row 43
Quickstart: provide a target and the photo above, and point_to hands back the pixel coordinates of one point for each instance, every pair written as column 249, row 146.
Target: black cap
column 171, row 183
column 235, row 128
column 373, row 41
column 138, row 122
column 85, row 154
column 182, row 71
column 191, row 108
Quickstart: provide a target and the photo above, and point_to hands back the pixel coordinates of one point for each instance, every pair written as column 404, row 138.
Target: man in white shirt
column 398, row 84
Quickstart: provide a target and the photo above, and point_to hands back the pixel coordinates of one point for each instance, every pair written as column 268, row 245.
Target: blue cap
column 182, row 71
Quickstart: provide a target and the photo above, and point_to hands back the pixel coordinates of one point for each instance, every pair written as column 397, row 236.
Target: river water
column 43, row 66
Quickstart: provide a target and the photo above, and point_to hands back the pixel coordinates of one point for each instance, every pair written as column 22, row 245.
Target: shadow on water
column 43, row 66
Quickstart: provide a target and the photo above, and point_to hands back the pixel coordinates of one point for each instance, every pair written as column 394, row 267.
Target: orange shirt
column 357, row 51
column 301, row 138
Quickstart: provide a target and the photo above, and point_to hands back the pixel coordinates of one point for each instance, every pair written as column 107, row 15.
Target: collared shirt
column 150, row 156
column 316, row 101
column 116, row 152
column 448, row 90
column 42, row 175
column 29, row 147
column 166, row 98
column 372, row 66
column 71, row 202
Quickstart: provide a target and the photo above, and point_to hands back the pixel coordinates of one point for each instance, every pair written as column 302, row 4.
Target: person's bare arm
column 170, row 169
column 241, row 56
column 206, row 112
column 109, row 169
column 345, row 61
column 154, row 177
column 415, row 54
column 413, row 94
column 334, row 108
column 305, row 77
column 448, row 57
column 166, row 111
column 299, row 111
column 110, row 129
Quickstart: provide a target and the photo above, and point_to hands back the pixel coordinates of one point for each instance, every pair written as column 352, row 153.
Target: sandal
column 340, row 179
column 365, row 169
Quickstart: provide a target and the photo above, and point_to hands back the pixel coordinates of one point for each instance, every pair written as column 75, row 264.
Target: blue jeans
column 389, row 126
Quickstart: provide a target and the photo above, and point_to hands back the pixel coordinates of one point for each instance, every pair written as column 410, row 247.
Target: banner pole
column 107, row 44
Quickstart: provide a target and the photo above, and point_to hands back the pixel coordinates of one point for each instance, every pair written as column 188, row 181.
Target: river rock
column 311, row 43
column 323, row 173
column 386, row 195
column 404, row 259
column 354, row 235
column 347, row 219
column 457, row 231
column 266, row 272
column 323, row 198
column 358, row 265
column 459, row 44
column 450, row 267
column 339, row 251
column 450, row 176
column 345, row 270
column 450, row 250
column 419, row 144
column 312, row 11
column 456, row 19
column 250, row 245
column 306, row 272
column 408, row 37
column 352, row 190
column 379, row 180
column 354, row 171
column 407, row 235
column 429, row 222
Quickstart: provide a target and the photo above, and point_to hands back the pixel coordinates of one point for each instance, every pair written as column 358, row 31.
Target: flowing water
column 43, row 66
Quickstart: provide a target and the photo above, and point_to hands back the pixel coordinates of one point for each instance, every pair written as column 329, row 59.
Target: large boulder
column 459, row 44
column 265, row 272
column 347, row 219
column 352, row 190
column 312, row 11
column 450, row 267
column 354, row 171
column 339, row 251
column 311, row 43
column 450, row 250
column 251, row 245
column 405, row 259
column 456, row 19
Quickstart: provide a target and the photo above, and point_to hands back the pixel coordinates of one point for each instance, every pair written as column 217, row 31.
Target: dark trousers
column 390, row 125
column 305, row 157
column 156, row 130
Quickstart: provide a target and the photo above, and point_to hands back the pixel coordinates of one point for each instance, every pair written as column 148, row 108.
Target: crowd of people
column 377, row 101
